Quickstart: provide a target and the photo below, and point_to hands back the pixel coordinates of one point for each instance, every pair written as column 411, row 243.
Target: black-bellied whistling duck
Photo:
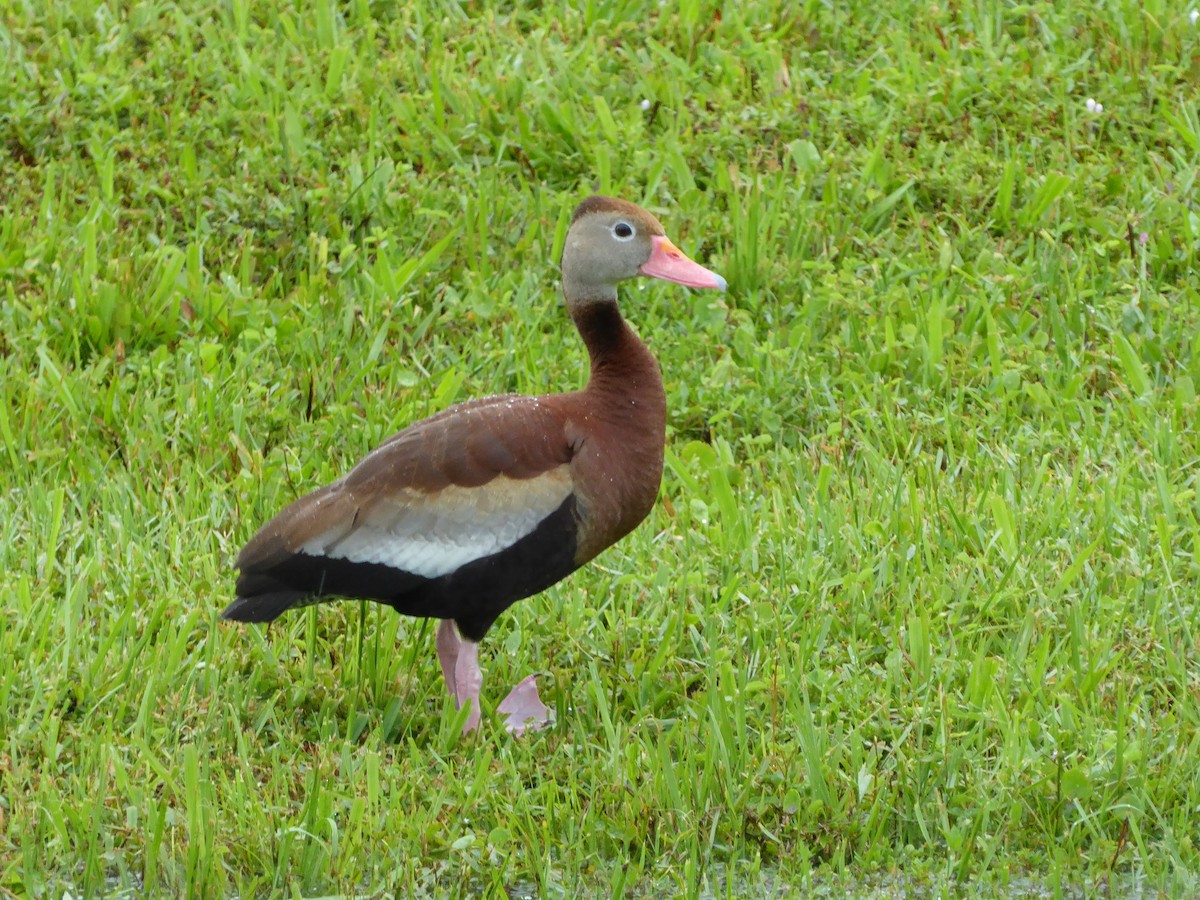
column 459, row 516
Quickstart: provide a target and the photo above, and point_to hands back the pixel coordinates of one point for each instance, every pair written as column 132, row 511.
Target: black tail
column 302, row 580
column 263, row 608
column 262, row 598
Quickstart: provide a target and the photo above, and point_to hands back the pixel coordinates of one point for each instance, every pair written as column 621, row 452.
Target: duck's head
column 612, row 240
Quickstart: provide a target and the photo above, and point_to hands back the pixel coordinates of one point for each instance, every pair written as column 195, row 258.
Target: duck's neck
column 623, row 373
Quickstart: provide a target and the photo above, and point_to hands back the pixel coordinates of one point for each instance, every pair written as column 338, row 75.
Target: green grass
column 919, row 603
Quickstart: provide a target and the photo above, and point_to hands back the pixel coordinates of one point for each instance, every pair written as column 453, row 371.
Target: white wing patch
column 434, row 534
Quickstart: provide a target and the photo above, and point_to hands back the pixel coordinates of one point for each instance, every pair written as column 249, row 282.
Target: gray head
column 612, row 240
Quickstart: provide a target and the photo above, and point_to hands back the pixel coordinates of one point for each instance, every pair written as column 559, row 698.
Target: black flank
column 473, row 595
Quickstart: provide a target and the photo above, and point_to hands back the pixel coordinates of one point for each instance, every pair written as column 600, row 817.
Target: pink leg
column 448, row 643
column 522, row 709
column 467, row 682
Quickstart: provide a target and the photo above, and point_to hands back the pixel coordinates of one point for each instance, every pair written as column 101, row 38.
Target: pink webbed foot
column 523, row 709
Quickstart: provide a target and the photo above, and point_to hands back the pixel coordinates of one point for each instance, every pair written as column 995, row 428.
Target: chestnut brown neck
column 622, row 368
column 620, row 428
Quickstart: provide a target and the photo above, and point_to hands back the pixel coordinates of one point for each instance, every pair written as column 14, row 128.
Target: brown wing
column 473, row 489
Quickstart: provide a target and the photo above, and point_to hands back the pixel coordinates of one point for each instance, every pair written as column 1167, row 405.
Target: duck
column 460, row 515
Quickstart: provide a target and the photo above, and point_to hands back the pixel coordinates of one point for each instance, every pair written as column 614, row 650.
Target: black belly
column 473, row 595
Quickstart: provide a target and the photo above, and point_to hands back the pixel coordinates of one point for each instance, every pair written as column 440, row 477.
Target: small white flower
column 1093, row 106
column 645, row 104
column 1193, row 16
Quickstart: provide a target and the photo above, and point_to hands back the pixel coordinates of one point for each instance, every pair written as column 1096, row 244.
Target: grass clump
column 918, row 605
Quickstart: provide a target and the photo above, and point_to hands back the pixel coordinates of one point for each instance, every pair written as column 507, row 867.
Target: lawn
column 917, row 608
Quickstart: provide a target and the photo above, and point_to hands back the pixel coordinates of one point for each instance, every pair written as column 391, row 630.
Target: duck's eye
column 623, row 231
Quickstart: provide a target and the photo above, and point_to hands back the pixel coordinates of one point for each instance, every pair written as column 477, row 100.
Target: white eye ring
column 623, row 231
